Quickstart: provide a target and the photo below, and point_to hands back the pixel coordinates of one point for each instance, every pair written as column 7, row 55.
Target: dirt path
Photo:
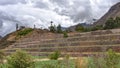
column 46, row 59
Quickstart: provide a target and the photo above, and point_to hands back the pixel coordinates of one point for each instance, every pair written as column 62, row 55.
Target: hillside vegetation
column 24, row 32
column 13, row 37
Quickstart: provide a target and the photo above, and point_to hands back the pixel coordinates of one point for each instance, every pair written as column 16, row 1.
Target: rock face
column 112, row 13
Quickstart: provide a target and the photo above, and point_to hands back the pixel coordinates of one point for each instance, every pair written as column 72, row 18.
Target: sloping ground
column 77, row 44
column 112, row 13
column 36, row 34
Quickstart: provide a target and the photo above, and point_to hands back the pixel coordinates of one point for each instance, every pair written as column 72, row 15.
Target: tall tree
column 17, row 27
column 52, row 28
column 59, row 29
column 51, row 23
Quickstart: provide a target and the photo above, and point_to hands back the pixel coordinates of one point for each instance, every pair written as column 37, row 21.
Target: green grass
column 59, row 64
column 99, row 62
column 49, row 64
column 24, row 31
column 55, row 63
column 39, row 57
column 93, row 62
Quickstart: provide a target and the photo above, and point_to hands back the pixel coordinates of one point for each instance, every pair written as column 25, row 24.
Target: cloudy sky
column 41, row 12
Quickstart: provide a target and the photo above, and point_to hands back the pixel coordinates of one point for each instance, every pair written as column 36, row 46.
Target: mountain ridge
column 113, row 12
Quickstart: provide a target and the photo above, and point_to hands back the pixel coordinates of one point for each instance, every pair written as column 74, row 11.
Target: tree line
column 111, row 23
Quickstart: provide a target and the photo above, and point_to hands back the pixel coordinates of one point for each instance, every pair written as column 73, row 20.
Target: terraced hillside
column 77, row 44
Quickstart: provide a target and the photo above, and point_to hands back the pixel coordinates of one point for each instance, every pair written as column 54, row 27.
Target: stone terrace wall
column 75, row 45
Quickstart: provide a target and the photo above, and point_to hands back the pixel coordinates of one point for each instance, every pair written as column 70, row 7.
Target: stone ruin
column 19, row 27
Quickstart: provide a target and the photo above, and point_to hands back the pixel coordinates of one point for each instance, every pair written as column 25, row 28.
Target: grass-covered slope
column 13, row 37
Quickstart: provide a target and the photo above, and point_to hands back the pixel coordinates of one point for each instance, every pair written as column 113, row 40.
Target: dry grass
column 81, row 62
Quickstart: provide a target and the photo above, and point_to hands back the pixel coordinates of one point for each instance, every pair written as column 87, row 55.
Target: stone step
column 89, row 34
column 82, row 38
column 49, row 41
column 38, row 37
column 77, row 43
column 62, row 46
column 69, row 49
column 99, row 32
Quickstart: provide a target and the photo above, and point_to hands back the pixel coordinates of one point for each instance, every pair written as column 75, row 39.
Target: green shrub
column 96, row 62
column 79, row 28
column 65, row 35
column 112, row 59
column 112, row 23
column 24, row 32
column 87, row 29
column 55, row 55
column 117, row 21
column 52, row 28
column 59, row 29
column 20, row 59
column 98, row 27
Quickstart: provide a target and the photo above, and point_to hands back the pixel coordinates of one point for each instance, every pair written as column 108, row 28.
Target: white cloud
column 41, row 12
column 6, row 2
